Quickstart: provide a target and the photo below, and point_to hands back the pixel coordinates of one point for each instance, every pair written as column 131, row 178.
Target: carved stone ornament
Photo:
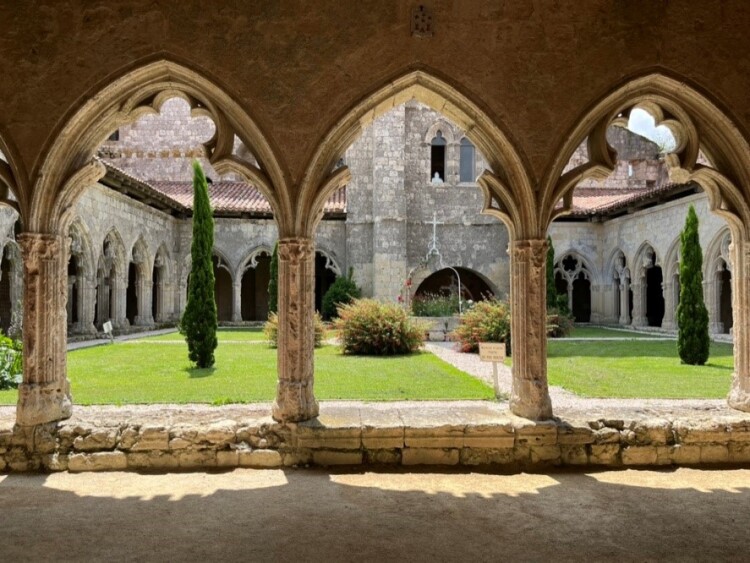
column 421, row 22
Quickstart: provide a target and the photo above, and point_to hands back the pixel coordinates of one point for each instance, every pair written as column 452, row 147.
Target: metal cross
column 433, row 247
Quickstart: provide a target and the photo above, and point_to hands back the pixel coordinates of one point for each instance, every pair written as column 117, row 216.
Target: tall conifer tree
column 273, row 282
column 692, row 315
column 199, row 321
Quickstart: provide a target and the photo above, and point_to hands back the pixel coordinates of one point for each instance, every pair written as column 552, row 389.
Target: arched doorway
column 581, row 294
column 726, row 317
column 325, row 275
column 73, row 289
column 6, row 302
column 654, row 296
column 254, row 289
column 131, row 295
column 222, row 290
column 572, row 278
column 444, row 282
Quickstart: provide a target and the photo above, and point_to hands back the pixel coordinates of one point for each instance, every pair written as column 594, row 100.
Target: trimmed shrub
column 371, row 328
column 271, row 330
column 559, row 323
column 486, row 321
column 11, row 362
column 199, row 321
column 434, row 305
column 273, row 282
column 692, row 317
column 342, row 291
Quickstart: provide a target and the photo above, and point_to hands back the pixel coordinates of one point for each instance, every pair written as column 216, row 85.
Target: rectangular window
column 467, row 165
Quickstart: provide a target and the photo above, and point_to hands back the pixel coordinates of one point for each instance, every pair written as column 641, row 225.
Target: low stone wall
column 373, row 437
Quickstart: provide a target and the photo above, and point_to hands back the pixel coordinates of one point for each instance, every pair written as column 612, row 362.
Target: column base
column 295, row 402
column 739, row 395
column 39, row 403
column 533, row 403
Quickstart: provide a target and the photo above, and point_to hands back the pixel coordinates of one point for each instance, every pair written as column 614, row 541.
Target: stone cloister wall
column 658, row 227
column 391, row 204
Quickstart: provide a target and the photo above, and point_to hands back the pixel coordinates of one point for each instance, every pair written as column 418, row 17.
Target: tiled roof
column 226, row 197
column 599, row 201
column 237, row 197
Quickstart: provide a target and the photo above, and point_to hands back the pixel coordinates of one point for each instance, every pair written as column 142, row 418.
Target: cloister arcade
column 293, row 151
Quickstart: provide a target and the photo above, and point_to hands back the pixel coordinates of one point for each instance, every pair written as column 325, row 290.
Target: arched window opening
column 6, row 305
column 254, row 289
column 654, row 296
column 73, row 289
column 581, row 294
column 222, row 290
column 572, row 279
column 437, row 157
column 444, row 282
column 725, row 299
column 467, row 161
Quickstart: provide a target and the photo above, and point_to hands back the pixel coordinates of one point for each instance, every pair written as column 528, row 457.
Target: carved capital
column 296, row 250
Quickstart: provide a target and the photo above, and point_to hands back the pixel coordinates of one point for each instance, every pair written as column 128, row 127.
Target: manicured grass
column 224, row 335
column 640, row 369
column 131, row 373
column 599, row 332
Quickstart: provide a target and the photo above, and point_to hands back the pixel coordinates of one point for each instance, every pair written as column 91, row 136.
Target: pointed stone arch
column 11, row 288
column 251, row 301
column 111, row 281
column 82, row 270
column 13, row 181
column 671, row 269
column 224, row 288
column 619, row 305
column 138, row 302
column 718, row 275
column 445, row 128
column 647, row 280
column 69, row 164
column 579, row 278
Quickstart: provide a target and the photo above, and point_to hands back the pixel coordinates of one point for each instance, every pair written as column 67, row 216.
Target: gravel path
column 562, row 399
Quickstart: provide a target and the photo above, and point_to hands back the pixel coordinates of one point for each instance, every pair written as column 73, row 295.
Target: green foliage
column 11, row 362
column 551, row 290
column 273, row 282
column 271, row 330
column 559, row 323
column 369, row 327
column 342, row 291
column 487, row 321
column 692, row 317
column 435, row 305
column 199, row 321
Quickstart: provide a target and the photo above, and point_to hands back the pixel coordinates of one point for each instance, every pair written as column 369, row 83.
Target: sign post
column 107, row 327
column 493, row 352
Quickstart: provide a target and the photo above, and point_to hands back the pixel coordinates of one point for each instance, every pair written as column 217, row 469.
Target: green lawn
column 224, row 335
column 159, row 372
column 598, row 332
column 640, row 369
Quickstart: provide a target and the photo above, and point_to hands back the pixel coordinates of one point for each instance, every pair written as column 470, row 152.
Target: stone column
column 86, row 302
column 570, row 295
column 69, row 303
column 44, row 395
column 237, row 300
column 739, row 396
column 529, row 394
column 118, row 291
column 668, row 322
column 639, row 303
column 145, row 315
column 294, row 393
column 624, row 300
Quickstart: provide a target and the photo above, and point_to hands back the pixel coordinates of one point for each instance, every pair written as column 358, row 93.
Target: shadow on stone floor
column 312, row 515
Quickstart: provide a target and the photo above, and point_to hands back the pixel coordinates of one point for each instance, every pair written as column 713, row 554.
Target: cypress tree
column 199, row 321
column 273, row 282
column 551, row 289
column 692, row 315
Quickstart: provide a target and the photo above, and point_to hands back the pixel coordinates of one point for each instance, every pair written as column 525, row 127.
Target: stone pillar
column 624, row 300
column 668, row 322
column 639, row 303
column 118, row 291
column 294, row 393
column 529, row 394
column 44, row 395
column 237, row 300
column 739, row 396
column 69, row 303
column 570, row 295
column 145, row 315
column 86, row 302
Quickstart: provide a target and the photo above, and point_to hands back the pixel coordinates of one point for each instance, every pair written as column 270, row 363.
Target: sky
column 642, row 123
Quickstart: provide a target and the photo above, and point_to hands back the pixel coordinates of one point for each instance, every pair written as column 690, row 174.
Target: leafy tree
column 199, row 321
column 342, row 291
column 692, row 316
column 273, row 282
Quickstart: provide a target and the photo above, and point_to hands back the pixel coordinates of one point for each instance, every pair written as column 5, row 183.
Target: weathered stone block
column 701, row 432
column 575, row 435
column 219, row 433
column 260, row 458
column 328, row 457
column 227, row 458
column 607, row 436
column 541, row 454
column 54, row 462
column 97, row 440
column 128, row 437
column 297, row 457
column 438, row 437
column 152, row 438
column 196, row 458
column 487, row 456
column 99, row 461
column 715, row 453
column 656, row 431
column 152, row 460
column 639, row 455
column 179, row 443
column 429, row 456
column 739, row 452
column 604, row 454
column 383, row 456
column 314, row 436
column 45, row 441
column 573, row 454
column 489, row 436
column 382, row 438
column 542, row 433
column 686, row 454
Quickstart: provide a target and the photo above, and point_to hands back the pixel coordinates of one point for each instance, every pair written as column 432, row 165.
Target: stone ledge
column 364, row 435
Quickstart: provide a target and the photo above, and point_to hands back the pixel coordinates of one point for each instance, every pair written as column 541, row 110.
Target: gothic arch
column 251, row 260
column 646, row 254
column 585, row 263
column 113, row 252
column 331, row 262
column 223, row 262
column 717, row 253
column 69, row 164
column 696, row 123
column 508, row 189
column 80, row 244
column 616, row 263
column 445, row 128
column 13, row 183
column 140, row 256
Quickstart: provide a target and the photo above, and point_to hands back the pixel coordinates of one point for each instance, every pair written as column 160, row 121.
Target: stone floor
column 295, row 515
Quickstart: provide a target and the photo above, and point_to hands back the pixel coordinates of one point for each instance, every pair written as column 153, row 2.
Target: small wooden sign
column 492, row 351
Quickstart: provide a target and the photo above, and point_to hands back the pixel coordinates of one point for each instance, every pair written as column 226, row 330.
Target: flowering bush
column 271, row 330
column 368, row 327
column 486, row 321
column 11, row 362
